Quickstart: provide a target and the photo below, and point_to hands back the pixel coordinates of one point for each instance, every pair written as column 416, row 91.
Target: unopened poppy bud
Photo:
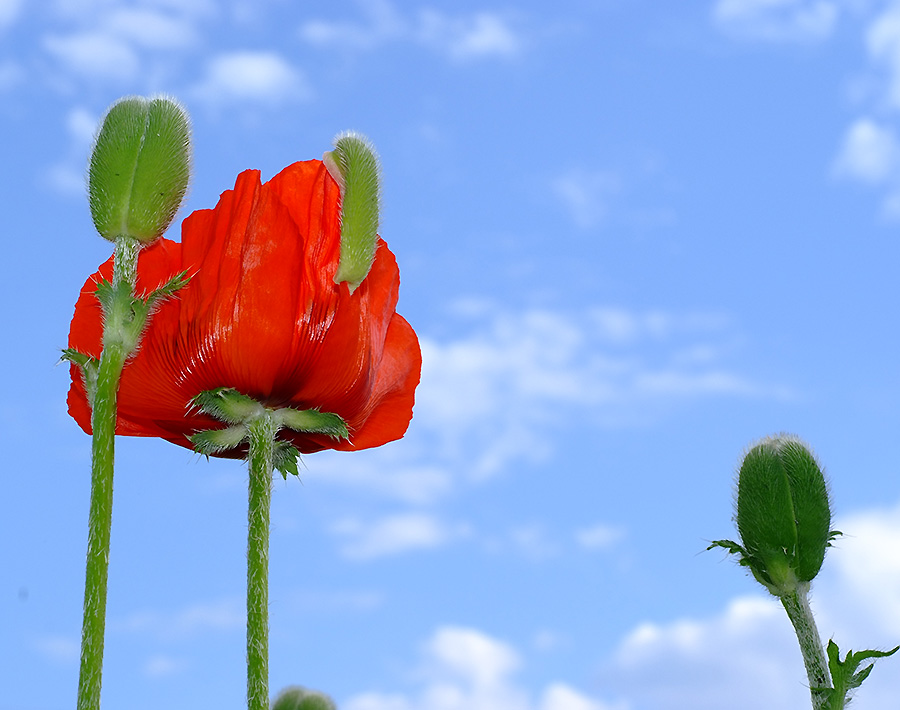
column 783, row 513
column 140, row 167
column 298, row 698
column 354, row 166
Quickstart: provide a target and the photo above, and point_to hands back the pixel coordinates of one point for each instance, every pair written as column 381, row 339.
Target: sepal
column 89, row 366
column 217, row 441
column 285, row 457
column 228, row 405
column 312, row 421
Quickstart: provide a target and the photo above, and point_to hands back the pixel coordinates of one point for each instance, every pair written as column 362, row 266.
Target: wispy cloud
column 503, row 386
column 190, row 621
column 466, row 669
column 777, row 20
column 587, row 194
column 870, row 152
column 460, row 36
column 256, row 77
column 599, row 537
column 9, row 12
column 61, row 649
column 394, row 534
column 509, row 384
column 160, row 666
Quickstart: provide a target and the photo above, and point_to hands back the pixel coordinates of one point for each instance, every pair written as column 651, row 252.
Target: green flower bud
column 354, row 166
column 140, row 167
column 783, row 513
column 298, row 698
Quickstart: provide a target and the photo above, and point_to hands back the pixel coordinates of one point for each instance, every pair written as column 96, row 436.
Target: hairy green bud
column 783, row 515
column 299, row 698
column 140, row 167
column 354, row 166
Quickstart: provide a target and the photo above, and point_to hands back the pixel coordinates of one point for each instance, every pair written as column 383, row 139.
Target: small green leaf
column 354, row 166
column 167, row 290
column 844, row 674
column 732, row 547
column 140, row 167
column 217, row 441
column 89, row 367
column 105, row 294
column 284, row 459
column 228, row 405
column 312, row 421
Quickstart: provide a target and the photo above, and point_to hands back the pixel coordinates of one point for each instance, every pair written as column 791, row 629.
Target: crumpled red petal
column 262, row 314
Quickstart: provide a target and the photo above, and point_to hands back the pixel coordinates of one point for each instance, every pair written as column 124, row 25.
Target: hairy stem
column 103, row 423
column 262, row 440
column 796, row 604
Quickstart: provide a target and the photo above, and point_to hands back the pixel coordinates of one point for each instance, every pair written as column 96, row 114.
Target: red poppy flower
column 262, row 314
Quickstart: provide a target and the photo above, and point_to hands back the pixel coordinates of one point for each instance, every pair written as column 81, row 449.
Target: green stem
column 262, row 432
column 103, row 423
column 796, row 604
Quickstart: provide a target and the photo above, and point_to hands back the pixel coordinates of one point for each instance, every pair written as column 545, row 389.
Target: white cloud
column 861, row 578
column 742, row 659
column 599, row 537
column 151, row 29
column 747, row 657
column 394, row 534
column 94, row 55
column 263, row 77
column 465, row 669
column 383, row 23
column 459, row 36
column 62, row 649
column 777, row 20
column 197, row 619
column 883, row 43
column 587, row 194
column 384, row 473
column 9, row 12
column 870, row 152
column 482, row 34
column 11, row 74
column 161, row 666
column 514, row 379
column 67, row 177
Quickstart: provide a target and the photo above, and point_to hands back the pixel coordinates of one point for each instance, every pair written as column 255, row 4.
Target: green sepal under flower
column 140, row 168
column 230, row 406
column 125, row 317
column 354, row 166
column 783, row 514
column 89, row 366
column 845, row 676
column 299, row 698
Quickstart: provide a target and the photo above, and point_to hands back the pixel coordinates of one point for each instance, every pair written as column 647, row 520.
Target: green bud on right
column 299, row 698
column 783, row 513
column 140, row 167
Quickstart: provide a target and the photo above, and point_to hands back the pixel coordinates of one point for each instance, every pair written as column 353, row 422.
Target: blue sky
column 633, row 236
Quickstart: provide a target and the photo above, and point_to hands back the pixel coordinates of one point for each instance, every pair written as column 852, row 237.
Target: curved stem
column 103, row 423
column 262, row 432
column 796, row 604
